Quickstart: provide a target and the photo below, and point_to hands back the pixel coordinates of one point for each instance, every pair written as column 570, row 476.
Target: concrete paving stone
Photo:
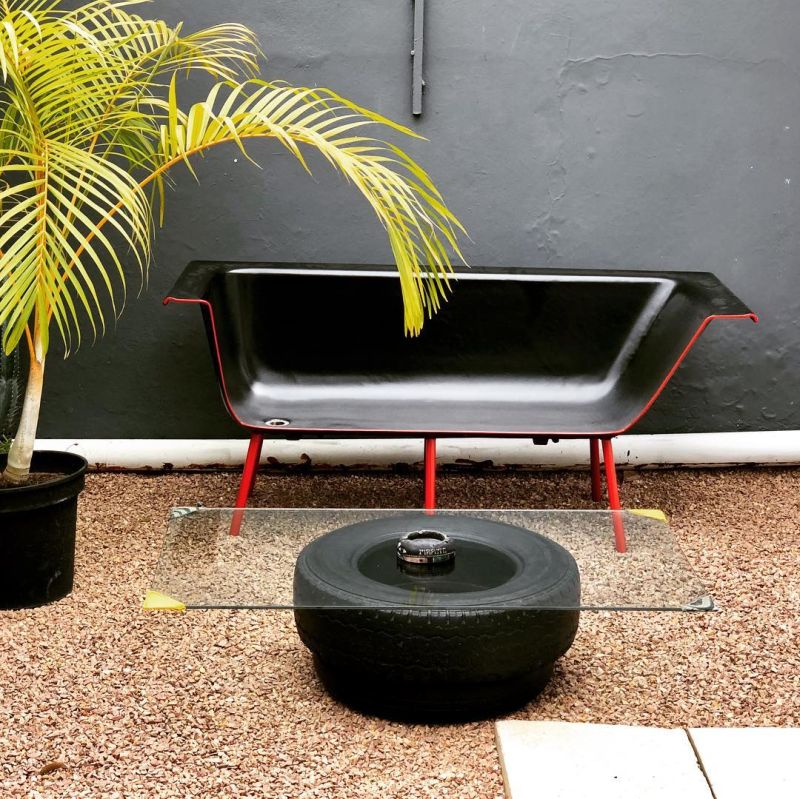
column 561, row 760
column 747, row 762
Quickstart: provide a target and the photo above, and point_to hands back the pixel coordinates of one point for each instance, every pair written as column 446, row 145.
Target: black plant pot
column 37, row 532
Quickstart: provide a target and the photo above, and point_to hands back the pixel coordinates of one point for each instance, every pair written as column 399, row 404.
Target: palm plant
column 90, row 125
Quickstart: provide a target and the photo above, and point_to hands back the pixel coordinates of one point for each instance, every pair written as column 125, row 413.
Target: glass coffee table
column 426, row 616
column 202, row 566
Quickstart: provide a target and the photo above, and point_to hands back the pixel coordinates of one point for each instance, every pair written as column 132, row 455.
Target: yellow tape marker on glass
column 651, row 513
column 155, row 600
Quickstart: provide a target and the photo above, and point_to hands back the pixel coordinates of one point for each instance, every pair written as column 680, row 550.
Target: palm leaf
column 91, row 124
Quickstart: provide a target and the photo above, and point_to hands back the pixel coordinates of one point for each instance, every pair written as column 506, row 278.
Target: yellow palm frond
column 90, row 125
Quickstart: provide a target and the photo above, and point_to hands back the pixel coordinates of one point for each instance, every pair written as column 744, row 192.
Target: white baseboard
column 646, row 451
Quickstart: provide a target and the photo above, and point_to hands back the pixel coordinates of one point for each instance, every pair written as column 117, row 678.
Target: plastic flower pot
column 37, row 532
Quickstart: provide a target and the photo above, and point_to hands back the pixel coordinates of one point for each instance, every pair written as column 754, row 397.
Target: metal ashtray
column 425, row 548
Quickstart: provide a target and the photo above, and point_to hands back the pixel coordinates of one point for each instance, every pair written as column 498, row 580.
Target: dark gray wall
column 585, row 133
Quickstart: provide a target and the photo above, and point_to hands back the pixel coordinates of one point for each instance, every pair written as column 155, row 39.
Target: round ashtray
column 425, row 548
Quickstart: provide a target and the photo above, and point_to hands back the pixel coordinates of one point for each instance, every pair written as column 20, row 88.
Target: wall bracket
column 417, row 48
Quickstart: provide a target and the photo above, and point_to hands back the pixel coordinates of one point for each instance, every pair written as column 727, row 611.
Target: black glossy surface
column 513, row 352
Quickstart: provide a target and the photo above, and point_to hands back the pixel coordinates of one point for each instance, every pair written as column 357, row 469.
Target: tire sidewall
column 350, row 624
column 328, row 567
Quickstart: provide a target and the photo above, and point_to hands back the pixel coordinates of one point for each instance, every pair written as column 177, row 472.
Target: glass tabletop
column 482, row 559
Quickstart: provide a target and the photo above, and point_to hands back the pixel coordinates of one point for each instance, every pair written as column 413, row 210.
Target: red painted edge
column 476, row 433
column 226, row 398
column 692, row 341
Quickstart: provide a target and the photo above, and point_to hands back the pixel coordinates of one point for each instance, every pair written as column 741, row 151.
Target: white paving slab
column 750, row 762
column 559, row 760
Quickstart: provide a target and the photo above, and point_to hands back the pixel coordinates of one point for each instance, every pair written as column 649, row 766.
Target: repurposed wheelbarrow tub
column 318, row 350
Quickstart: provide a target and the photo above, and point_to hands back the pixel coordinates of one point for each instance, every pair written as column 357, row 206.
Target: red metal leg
column 594, row 458
column 255, row 468
column 430, row 474
column 248, row 479
column 613, row 495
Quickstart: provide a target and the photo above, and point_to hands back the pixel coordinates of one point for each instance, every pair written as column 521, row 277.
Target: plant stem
column 18, row 466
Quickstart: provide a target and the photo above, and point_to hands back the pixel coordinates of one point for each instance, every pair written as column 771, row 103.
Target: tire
column 468, row 655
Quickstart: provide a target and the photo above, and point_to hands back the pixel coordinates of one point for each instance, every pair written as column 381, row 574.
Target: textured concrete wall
column 585, row 133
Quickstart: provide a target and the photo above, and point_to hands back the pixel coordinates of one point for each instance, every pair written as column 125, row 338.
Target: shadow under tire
column 466, row 654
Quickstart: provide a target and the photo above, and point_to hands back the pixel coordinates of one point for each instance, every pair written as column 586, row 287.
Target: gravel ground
column 98, row 699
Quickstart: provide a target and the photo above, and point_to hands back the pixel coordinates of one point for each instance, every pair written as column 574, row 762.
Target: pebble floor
column 99, row 699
